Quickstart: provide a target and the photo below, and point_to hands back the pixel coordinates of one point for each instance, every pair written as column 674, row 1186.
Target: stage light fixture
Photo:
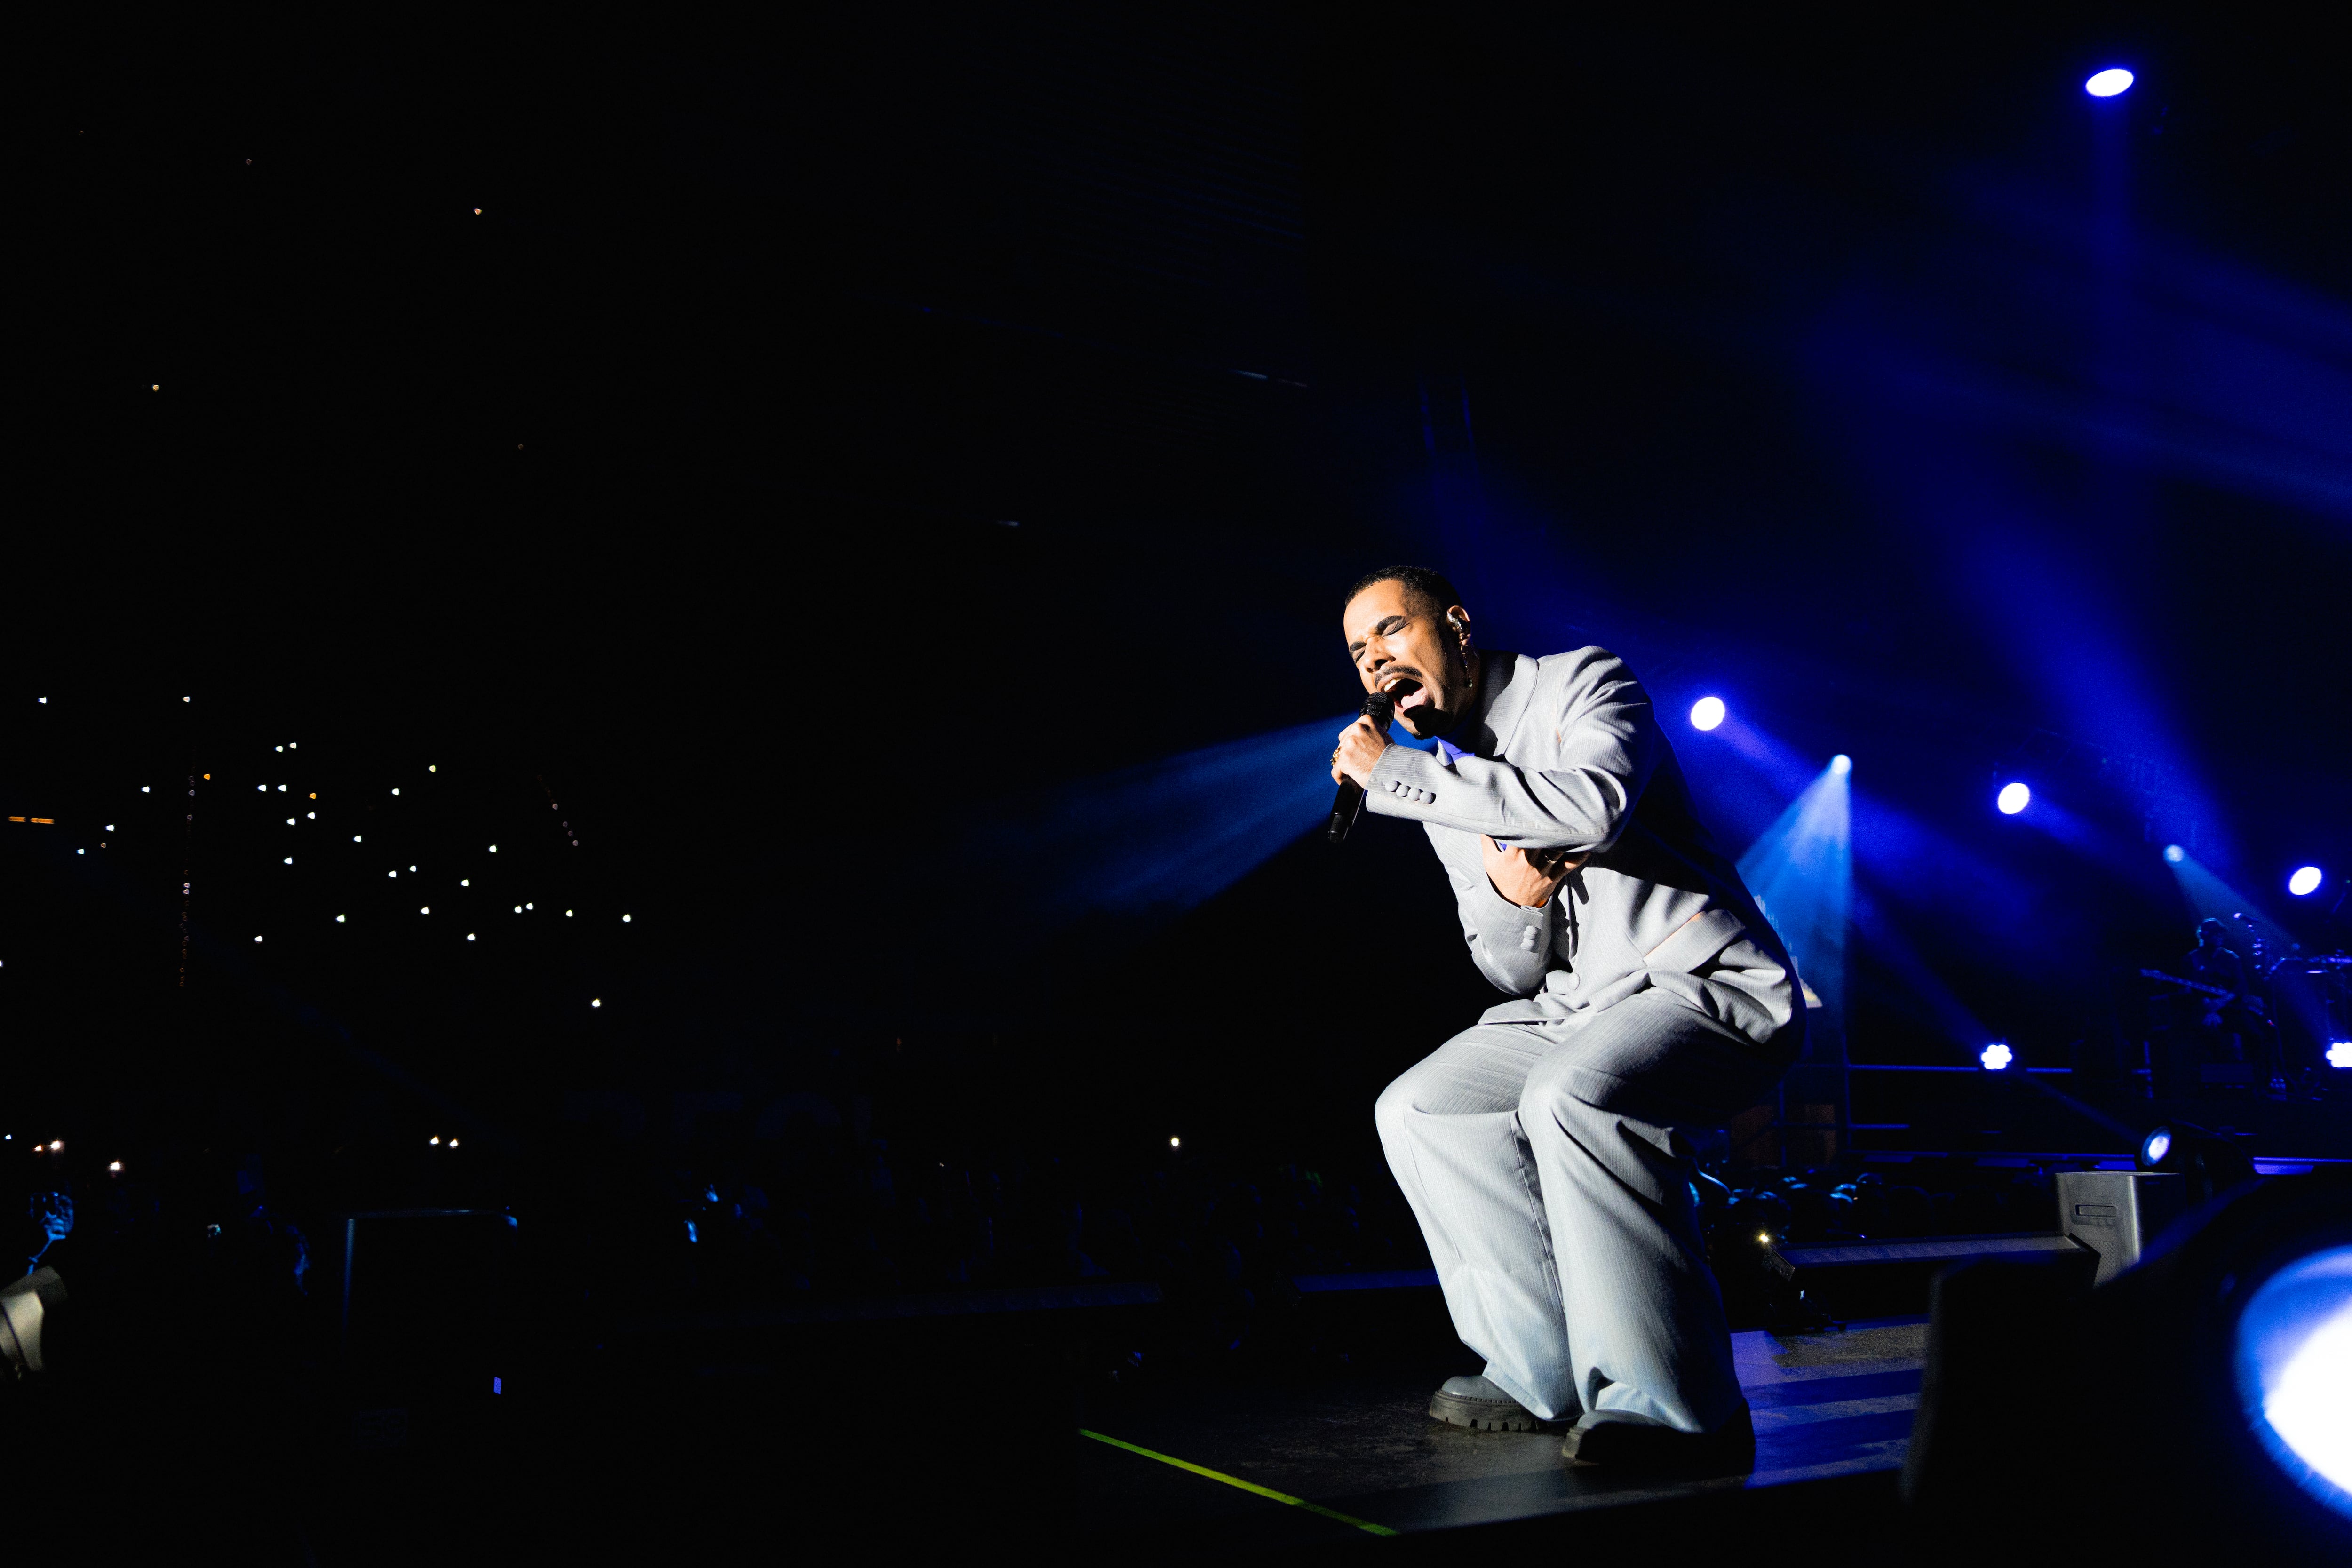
column 2109, row 82
column 1841, row 763
column 2174, row 854
column 2014, row 797
column 1707, row 713
column 2212, row 1162
column 1996, row 1056
column 2305, row 882
column 2340, row 1055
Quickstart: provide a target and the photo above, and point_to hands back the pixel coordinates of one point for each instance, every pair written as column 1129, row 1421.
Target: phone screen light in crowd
column 2302, row 884
column 1706, row 713
column 1996, row 1056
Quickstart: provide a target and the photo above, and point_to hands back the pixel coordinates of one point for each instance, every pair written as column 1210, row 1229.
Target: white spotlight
column 2013, row 798
column 1996, row 1056
column 2174, row 854
column 1841, row 763
column 2302, row 884
column 1706, row 713
column 2109, row 82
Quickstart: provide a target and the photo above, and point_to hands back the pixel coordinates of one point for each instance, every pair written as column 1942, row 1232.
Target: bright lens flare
column 1996, row 1056
column 2294, row 1367
column 2305, row 882
column 2012, row 799
column 1706, row 713
column 2108, row 82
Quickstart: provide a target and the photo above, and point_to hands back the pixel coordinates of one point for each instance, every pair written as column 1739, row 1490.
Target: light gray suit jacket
column 1565, row 752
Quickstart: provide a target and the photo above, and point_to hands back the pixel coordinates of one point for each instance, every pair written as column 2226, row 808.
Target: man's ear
column 1459, row 619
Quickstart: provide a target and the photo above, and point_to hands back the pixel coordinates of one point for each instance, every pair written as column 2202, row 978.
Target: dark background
column 779, row 454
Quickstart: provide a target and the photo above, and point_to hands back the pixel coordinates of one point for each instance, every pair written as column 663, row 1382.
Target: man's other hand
column 1360, row 751
column 1528, row 878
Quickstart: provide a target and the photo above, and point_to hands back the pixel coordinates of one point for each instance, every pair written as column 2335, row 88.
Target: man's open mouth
column 1407, row 693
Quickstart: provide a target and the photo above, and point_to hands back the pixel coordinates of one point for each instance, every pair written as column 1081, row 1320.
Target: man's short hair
column 1424, row 589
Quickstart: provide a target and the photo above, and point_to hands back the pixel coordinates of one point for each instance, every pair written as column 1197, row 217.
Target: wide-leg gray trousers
column 1544, row 1164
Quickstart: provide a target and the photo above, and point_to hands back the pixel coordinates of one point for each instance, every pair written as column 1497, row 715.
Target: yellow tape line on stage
column 1362, row 1524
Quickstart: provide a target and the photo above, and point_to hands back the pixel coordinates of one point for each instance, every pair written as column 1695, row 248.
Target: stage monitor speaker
column 2117, row 1214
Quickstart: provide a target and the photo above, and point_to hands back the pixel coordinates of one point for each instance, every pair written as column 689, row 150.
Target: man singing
column 1542, row 1150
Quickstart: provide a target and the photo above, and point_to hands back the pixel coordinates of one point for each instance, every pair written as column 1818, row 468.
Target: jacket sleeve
column 1608, row 747
column 1510, row 944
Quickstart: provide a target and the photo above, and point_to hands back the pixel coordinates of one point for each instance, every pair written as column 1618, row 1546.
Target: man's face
column 1407, row 650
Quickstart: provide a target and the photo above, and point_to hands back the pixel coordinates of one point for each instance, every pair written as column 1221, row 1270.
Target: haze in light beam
column 1801, row 869
column 1160, row 836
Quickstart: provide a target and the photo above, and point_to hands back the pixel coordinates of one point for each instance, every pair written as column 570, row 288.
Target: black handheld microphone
column 1380, row 708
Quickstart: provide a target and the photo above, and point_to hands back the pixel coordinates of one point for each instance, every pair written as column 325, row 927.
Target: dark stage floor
column 1826, row 1404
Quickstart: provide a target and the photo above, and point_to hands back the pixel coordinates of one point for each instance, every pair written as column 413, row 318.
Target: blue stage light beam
column 2209, row 896
column 1802, row 872
column 1163, row 836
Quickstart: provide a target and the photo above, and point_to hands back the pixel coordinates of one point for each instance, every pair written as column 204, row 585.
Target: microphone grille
column 1380, row 708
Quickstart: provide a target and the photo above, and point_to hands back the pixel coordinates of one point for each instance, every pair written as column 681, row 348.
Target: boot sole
column 1482, row 1415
